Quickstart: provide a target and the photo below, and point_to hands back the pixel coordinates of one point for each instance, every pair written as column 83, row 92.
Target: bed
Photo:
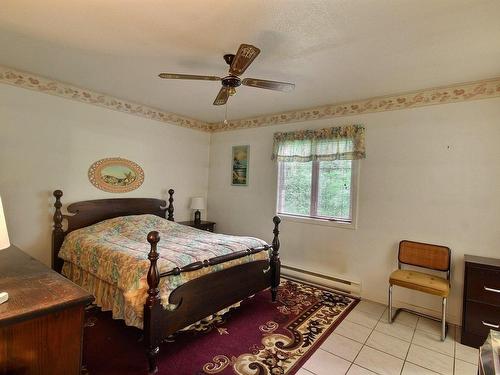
column 112, row 248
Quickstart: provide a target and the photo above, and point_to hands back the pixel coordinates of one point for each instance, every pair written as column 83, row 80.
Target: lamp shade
column 198, row 203
column 4, row 235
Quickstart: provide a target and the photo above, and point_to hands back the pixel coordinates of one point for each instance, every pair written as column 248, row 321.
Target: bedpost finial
column 276, row 230
column 58, row 216
column 170, row 208
column 57, row 231
column 153, row 237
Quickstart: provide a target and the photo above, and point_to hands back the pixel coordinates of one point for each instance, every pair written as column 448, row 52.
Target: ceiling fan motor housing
column 231, row 81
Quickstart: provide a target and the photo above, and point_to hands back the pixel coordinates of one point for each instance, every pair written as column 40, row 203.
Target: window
column 317, row 172
column 317, row 189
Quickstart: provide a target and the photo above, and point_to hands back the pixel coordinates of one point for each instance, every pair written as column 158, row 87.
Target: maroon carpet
column 259, row 337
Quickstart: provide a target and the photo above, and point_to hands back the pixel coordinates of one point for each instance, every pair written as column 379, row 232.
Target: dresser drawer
column 480, row 318
column 483, row 285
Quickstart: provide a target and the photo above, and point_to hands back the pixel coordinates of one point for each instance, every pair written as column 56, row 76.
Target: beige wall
column 431, row 174
column 48, row 142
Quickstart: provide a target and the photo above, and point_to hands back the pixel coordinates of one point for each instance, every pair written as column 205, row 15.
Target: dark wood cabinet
column 41, row 325
column 481, row 299
column 203, row 225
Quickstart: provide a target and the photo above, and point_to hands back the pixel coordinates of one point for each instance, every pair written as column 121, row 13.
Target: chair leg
column 443, row 321
column 389, row 310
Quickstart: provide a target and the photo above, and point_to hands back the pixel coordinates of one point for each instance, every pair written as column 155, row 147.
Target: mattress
column 109, row 259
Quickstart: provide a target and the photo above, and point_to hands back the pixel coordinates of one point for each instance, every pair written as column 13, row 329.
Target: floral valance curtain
column 337, row 143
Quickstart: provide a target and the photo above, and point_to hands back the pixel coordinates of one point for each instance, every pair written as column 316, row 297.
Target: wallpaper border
column 53, row 87
column 485, row 89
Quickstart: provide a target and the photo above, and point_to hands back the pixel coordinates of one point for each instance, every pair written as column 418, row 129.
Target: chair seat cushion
column 420, row 281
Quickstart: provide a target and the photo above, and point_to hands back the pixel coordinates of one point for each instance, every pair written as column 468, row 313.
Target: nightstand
column 204, row 225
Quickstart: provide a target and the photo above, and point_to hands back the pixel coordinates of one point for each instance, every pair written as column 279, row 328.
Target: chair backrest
column 434, row 257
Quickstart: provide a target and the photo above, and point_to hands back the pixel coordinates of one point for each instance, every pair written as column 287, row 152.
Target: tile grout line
column 366, row 340
column 454, row 349
column 392, row 337
column 476, row 361
column 423, row 366
column 335, row 355
column 409, row 346
column 306, row 370
column 447, row 355
column 303, row 368
column 364, row 344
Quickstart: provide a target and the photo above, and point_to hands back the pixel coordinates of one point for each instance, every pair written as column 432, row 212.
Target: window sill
column 316, row 221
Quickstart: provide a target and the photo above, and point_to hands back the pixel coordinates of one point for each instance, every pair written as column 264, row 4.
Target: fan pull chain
column 225, row 116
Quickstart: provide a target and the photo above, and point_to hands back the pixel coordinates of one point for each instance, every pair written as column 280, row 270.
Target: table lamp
column 197, row 203
column 4, row 243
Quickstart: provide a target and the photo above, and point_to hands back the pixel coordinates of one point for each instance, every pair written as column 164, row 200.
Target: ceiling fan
column 237, row 65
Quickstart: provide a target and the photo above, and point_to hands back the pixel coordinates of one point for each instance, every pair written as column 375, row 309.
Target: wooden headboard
column 86, row 213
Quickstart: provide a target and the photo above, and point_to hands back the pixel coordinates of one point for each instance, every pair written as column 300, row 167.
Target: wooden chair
column 427, row 256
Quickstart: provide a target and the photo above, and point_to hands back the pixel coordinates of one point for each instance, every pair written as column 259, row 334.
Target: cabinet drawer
column 483, row 285
column 480, row 318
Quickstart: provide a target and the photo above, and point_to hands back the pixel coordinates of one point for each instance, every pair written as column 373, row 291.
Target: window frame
column 319, row 220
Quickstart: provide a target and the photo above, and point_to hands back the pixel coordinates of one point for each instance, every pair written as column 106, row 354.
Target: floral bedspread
column 109, row 259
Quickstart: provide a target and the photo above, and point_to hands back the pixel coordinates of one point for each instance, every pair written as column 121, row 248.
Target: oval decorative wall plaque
column 116, row 175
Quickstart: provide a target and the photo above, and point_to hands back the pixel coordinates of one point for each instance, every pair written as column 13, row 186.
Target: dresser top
column 482, row 260
column 34, row 289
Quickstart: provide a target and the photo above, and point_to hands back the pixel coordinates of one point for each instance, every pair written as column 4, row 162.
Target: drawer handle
column 496, row 326
column 491, row 290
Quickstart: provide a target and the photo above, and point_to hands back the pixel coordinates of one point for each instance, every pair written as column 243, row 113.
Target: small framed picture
column 240, row 163
column 116, row 175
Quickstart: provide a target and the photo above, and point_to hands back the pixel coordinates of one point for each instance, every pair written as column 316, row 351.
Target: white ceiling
column 333, row 50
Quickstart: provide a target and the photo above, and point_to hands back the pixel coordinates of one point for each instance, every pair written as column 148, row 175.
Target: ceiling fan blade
column 188, row 76
column 269, row 85
column 244, row 57
column 222, row 96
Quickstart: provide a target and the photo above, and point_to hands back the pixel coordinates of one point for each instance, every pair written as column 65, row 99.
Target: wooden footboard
column 205, row 295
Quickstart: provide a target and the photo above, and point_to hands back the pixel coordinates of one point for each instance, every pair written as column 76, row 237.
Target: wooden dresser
column 41, row 325
column 481, row 299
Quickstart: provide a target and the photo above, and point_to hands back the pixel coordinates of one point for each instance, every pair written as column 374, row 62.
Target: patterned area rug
column 258, row 338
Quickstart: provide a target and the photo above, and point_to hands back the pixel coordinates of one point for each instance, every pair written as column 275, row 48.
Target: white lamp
column 4, row 243
column 197, row 203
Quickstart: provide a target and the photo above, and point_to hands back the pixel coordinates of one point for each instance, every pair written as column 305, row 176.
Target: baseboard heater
column 327, row 281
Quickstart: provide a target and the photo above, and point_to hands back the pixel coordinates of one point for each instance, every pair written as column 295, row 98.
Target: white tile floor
column 364, row 343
